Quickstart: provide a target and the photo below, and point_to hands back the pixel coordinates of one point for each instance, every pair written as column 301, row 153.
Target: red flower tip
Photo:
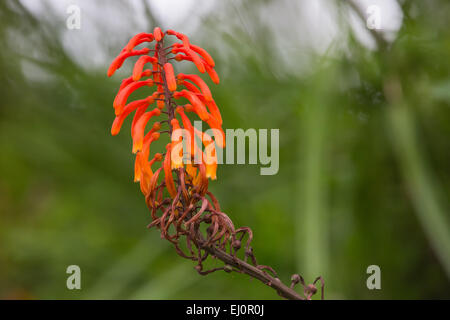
column 158, row 34
column 212, row 74
column 170, row 76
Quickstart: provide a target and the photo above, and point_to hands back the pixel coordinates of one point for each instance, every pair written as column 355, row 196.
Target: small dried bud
column 310, row 288
column 295, row 278
column 237, row 244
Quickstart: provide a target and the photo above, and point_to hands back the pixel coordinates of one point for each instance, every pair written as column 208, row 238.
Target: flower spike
column 189, row 210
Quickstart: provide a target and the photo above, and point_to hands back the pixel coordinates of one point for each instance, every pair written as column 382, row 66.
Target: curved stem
column 275, row 283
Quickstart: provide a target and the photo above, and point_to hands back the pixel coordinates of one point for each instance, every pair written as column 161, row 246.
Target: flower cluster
column 189, row 160
column 169, row 87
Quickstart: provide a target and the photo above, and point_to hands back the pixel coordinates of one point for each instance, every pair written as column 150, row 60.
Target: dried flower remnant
column 176, row 188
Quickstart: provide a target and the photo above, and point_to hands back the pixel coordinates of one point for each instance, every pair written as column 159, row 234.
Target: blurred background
column 364, row 119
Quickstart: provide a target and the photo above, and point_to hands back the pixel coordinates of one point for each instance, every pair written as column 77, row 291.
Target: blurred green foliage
column 364, row 164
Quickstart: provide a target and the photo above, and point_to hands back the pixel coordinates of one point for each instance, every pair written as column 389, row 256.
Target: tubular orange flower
column 117, row 62
column 190, row 86
column 192, row 56
column 158, row 34
column 138, row 39
column 170, row 76
column 141, row 166
column 177, row 160
column 188, row 126
column 139, row 66
column 202, row 52
column 209, row 156
column 122, row 96
column 118, row 121
column 199, row 82
column 170, row 185
column 211, row 72
column 199, row 107
column 139, row 128
column 127, row 81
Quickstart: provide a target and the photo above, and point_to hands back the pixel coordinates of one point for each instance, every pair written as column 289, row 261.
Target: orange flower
column 190, row 86
column 138, row 39
column 202, row 52
column 177, row 146
column 127, row 81
column 118, row 121
column 199, row 82
column 188, row 126
column 199, row 107
column 199, row 63
column 139, row 128
column 139, row 66
column 170, row 76
column 158, row 34
column 117, row 62
column 211, row 72
column 168, row 172
column 122, row 96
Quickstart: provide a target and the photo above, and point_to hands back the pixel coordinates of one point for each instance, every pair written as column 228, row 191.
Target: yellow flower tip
column 137, row 145
column 210, row 175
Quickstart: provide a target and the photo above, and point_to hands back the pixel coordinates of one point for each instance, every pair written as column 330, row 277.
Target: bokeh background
column 364, row 119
